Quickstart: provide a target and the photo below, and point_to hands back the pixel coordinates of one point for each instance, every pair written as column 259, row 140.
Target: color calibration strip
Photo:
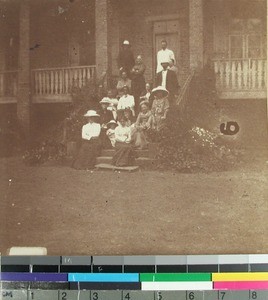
column 148, row 281
column 223, row 277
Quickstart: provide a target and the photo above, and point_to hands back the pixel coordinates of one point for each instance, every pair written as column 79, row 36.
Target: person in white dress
column 164, row 55
column 126, row 101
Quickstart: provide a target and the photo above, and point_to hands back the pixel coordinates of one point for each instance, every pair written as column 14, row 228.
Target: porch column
column 196, row 21
column 103, row 37
column 23, row 98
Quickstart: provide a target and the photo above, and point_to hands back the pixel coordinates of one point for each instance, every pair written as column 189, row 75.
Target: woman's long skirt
column 124, row 155
column 86, row 157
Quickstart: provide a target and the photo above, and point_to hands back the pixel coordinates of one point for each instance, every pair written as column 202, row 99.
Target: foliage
column 52, row 145
column 189, row 143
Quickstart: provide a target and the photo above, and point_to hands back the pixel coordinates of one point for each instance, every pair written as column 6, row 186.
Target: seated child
column 111, row 131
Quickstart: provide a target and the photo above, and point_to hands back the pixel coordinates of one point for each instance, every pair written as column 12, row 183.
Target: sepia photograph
column 135, row 127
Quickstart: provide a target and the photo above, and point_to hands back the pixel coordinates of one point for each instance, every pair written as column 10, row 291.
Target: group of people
column 128, row 116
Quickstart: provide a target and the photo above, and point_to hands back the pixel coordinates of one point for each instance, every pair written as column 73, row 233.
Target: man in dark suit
column 125, row 58
column 168, row 79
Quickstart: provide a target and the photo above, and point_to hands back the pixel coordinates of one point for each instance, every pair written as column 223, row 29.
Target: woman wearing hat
column 160, row 106
column 143, row 124
column 124, row 152
column 90, row 146
column 105, row 116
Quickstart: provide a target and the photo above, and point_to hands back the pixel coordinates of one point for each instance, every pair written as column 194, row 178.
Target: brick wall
column 136, row 24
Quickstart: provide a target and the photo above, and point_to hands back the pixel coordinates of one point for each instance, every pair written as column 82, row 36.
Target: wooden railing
column 241, row 75
column 184, row 93
column 8, row 83
column 61, row 81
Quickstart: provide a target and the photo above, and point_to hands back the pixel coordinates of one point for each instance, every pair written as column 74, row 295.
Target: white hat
column 112, row 122
column 91, row 113
column 160, row 88
column 126, row 42
column 105, row 100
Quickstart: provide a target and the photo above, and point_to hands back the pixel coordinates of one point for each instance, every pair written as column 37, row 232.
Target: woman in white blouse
column 90, row 146
column 126, row 101
column 124, row 152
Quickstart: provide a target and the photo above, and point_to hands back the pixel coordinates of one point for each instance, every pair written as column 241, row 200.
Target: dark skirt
column 87, row 154
column 124, row 155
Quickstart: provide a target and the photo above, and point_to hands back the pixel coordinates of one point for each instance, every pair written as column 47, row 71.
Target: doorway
column 166, row 30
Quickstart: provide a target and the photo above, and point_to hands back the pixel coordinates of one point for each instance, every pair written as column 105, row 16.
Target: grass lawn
column 148, row 212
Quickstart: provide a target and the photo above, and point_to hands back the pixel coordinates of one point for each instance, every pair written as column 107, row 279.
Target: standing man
column 125, row 59
column 164, row 55
column 168, row 80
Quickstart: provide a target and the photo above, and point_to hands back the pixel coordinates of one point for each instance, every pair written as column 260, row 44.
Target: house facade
column 47, row 46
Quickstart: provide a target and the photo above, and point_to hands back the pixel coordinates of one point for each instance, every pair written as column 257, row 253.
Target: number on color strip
column 191, row 296
column 64, row 296
column 95, row 296
column 254, row 295
column 127, row 296
column 159, row 296
column 221, row 295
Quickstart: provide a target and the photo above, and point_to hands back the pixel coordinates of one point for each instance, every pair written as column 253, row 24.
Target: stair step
column 114, row 168
column 141, row 161
column 110, row 152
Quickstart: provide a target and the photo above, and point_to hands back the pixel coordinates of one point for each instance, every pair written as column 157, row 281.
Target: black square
column 45, row 269
column 203, row 268
column 75, row 269
column 107, row 269
column 171, row 269
column 139, row 269
column 14, row 268
column 234, row 268
column 258, row 268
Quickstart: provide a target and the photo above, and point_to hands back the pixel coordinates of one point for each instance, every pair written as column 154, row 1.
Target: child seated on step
column 111, row 131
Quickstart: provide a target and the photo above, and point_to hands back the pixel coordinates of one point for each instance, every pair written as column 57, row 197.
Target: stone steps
column 144, row 159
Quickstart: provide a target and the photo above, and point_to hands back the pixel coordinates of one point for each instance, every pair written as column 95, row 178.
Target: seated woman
column 105, row 116
column 160, row 107
column 143, row 124
column 124, row 153
column 122, row 82
column 147, row 93
column 90, row 147
column 126, row 101
column 113, row 103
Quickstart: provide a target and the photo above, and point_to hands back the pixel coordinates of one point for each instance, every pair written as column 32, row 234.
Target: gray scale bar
column 45, row 260
column 132, row 295
column 108, row 260
column 139, row 260
column 76, row 260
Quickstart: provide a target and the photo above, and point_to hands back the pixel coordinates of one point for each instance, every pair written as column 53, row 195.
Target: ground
column 148, row 212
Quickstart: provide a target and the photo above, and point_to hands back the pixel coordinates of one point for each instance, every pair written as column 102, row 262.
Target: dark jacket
column 126, row 60
column 105, row 116
column 172, row 82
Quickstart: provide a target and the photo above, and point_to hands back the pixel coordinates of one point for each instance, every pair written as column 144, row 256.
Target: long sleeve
column 120, row 104
column 90, row 130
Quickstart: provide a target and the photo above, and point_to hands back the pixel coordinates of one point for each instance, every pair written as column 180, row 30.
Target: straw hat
column 91, row 113
column 111, row 122
column 105, row 100
column 126, row 42
column 160, row 88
